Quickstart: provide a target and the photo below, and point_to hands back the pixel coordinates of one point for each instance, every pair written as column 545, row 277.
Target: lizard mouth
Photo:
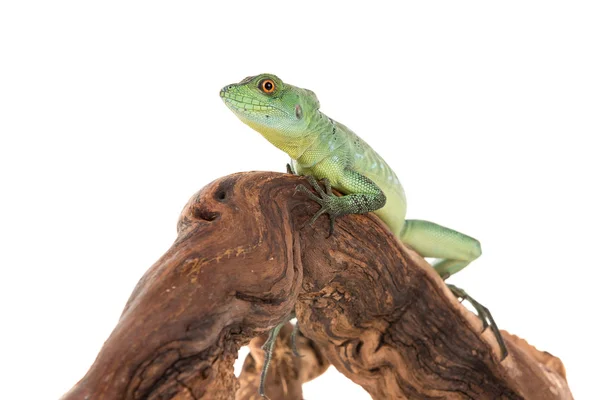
column 244, row 104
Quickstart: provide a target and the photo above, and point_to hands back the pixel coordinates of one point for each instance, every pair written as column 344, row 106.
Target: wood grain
column 374, row 309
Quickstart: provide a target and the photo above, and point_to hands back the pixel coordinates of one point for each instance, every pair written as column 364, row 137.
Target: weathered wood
column 240, row 264
column 287, row 372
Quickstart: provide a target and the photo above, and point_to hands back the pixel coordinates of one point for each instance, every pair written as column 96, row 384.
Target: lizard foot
column 326, row 200
column 484, row 315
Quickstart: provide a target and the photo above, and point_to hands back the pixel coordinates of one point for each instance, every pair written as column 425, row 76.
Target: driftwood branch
column 242, row 262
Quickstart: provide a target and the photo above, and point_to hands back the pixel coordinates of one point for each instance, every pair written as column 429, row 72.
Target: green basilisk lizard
column 323, row 149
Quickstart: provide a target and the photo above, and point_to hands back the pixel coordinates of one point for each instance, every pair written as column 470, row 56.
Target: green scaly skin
column 323, row 149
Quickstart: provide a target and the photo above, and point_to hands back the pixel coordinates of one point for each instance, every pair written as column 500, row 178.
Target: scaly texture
column 321, row 148
column 289, row 118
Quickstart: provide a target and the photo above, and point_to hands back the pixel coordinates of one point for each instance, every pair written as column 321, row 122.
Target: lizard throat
column 294, row 146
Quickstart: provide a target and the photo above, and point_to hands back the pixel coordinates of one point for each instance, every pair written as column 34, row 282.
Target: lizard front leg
column 364, row 196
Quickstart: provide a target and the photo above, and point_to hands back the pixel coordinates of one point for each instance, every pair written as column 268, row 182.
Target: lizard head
column 276, row 110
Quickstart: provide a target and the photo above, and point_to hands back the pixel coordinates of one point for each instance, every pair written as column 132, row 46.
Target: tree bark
column 243, row 260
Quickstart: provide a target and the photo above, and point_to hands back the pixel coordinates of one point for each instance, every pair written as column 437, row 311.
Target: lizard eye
column 267, row 86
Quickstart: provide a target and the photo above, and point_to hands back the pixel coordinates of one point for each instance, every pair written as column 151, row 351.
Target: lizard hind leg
column 453, row 250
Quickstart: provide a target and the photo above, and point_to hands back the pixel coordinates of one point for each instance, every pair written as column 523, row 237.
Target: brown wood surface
column 365, row 303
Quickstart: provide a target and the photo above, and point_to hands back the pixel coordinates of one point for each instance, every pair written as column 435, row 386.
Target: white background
column 110, row 119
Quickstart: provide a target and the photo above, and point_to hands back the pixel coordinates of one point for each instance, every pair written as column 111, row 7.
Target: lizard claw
column 484, row 315
column 325, row 200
